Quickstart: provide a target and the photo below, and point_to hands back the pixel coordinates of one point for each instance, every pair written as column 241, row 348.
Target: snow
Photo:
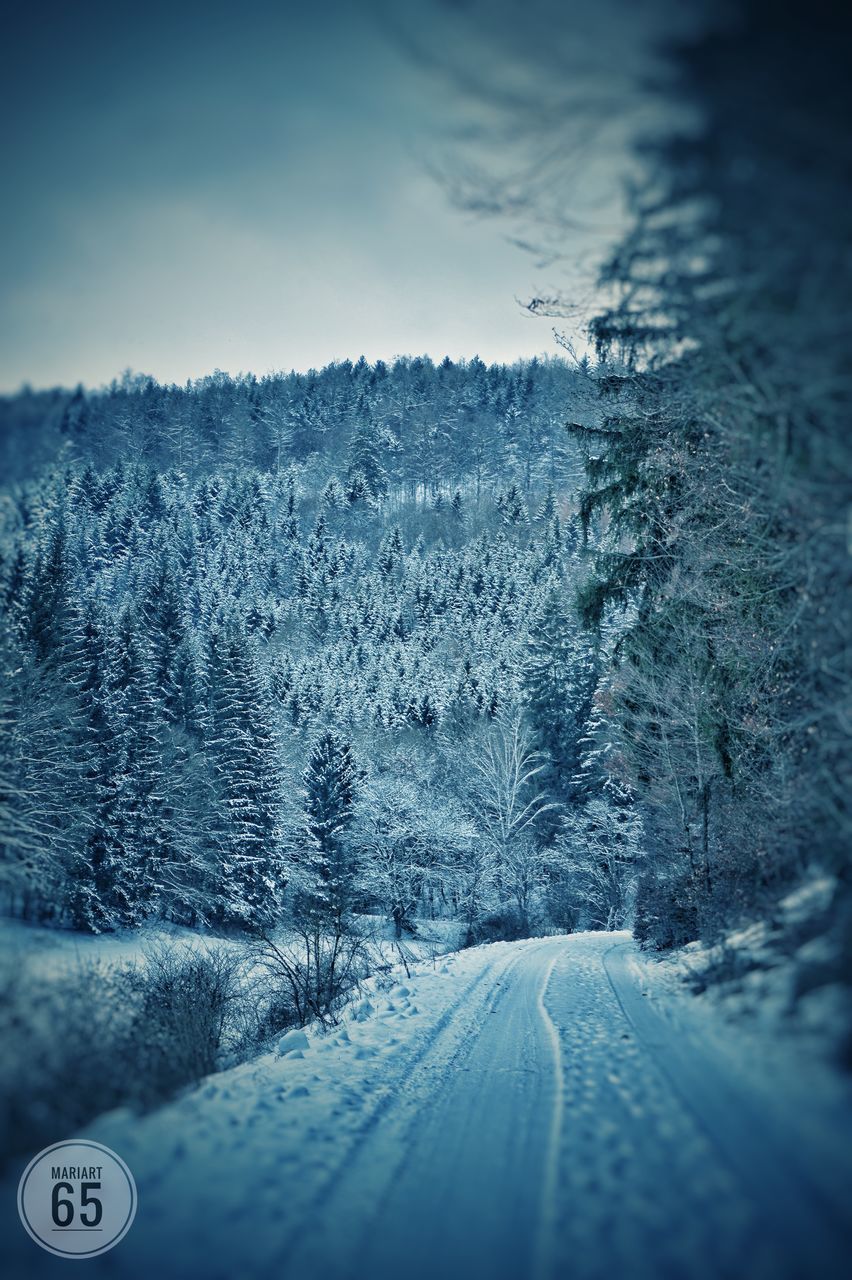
column 293, row 1042
column 776, row 1048
column 57, row 952
column 814, row 894
column 751, row 980
column 544, row 1108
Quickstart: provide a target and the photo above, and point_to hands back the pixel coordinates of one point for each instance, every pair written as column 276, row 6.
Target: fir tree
column 138, row 815
column 98, row 894
column 365, row 467
column 330, row 785
column 391, row 551
column 558, row 684
column 245, row 775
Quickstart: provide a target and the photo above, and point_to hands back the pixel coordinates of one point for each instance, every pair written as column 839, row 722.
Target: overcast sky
column 244, row 187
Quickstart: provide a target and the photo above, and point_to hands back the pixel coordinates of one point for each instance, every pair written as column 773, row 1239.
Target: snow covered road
column 520, row 1110
column 459, row 1190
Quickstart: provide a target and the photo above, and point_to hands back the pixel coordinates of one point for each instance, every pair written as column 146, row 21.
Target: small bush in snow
column 503, row 925
column 185, row 999
column 64, row 1051
column 77, row 1045
column 666, row 911
column 312, row 972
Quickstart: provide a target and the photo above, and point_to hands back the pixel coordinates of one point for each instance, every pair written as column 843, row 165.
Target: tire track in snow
column 342, row 1196
column 543, row 1258
column 815, row 1238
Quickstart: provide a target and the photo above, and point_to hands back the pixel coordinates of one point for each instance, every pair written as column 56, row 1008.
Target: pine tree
column 139, row 814
column 42, row 795
column 512, row 508
column 244, row 761
column 50, row 597
column 391, row 551
column 330, row 781
column 54, row 764
column 165, row 628
column 598, row 849
column 558, row 684
column 547, row 510
column 99, row 893
column 365, row 469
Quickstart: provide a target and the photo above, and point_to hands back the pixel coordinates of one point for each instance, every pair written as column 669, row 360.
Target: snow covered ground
column 548, row 1108
column 775, row 977
column 57, row 951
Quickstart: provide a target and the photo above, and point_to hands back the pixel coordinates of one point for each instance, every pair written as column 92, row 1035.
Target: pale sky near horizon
column 200, row 186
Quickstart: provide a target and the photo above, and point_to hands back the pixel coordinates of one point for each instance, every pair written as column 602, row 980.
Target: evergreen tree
column 138, row 819
column 365, row 467
column 558, row 684
column 50, row 596
column 391, row 551
column 512, row 508
column 245, row 775
column 330, row 781
column 99, row 892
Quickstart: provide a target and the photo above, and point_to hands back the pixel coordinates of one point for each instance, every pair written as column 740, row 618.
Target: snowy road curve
column 518, row 1111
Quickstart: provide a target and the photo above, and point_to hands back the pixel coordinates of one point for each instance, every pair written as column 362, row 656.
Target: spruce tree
column 558, row 684
column 330, row 784
column 99, row 892
column 139, row 813
column 365, row 461
column 243, row 757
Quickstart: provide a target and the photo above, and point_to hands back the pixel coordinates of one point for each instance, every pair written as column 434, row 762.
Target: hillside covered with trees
column 307, row 646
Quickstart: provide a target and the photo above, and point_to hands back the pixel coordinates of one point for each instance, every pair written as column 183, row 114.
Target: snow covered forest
column 528, row 648
column 308, row 644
